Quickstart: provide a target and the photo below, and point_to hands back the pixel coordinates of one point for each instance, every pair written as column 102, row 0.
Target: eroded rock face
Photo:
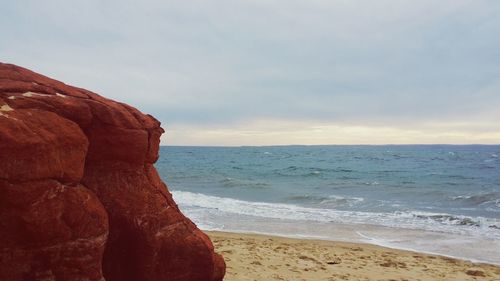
column 80, row 198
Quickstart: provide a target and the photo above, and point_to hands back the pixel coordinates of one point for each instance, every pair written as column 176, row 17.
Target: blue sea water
column 431, row 198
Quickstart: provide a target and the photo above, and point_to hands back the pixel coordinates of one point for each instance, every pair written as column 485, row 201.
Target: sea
column 439, row 199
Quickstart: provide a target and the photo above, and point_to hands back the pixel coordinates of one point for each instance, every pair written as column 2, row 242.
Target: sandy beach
column 262, row 257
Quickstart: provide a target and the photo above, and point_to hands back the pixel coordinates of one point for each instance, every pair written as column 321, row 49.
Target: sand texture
column 261, row 257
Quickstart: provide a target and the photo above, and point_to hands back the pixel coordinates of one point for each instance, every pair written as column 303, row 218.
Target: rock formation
column 80, row 198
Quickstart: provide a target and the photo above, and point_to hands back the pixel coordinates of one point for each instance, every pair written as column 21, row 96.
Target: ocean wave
column 371, row 158
column 449, row 219
column 337, row 201
column 408, row 182
column 435, row 174
column 410, row 219
column 298, row 171
column 389, row 171
column 460, row 177
column 234, row 183
column 305, row 198
column 344, row 170
column 492, row 198
column 348, row 178
column 331, row 201
column 295, row 171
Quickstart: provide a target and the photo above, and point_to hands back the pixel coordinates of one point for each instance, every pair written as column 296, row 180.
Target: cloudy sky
column 266, row 72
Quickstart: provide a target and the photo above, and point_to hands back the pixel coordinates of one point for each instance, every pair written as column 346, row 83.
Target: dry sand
column 261, row 257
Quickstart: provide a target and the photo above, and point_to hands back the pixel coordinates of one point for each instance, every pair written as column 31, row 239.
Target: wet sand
column 262, row 257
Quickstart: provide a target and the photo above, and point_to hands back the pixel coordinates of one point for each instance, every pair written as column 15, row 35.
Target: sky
column 267, row 72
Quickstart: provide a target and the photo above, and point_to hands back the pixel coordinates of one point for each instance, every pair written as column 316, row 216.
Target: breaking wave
column 488, row 227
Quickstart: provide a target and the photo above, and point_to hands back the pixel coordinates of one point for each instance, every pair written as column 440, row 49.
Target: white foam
column 441, row 250
column 467, row 247
column 407, row 220
column 336, row 200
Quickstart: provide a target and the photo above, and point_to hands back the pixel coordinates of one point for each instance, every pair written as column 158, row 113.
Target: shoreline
column 452, row 245
column 406, row 231
column 347, row 241
column 267, row 257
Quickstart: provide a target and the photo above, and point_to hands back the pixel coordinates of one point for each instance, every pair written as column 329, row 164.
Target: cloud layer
column 431, row 67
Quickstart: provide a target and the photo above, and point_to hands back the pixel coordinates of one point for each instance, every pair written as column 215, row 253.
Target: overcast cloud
column 273, row 72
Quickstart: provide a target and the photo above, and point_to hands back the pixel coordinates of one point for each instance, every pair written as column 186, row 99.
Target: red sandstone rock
column 80, row 198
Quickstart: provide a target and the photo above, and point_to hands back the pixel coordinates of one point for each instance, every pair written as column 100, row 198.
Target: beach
column 264, row 257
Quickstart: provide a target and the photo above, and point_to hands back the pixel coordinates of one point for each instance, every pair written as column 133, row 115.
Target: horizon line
column 388, row 144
